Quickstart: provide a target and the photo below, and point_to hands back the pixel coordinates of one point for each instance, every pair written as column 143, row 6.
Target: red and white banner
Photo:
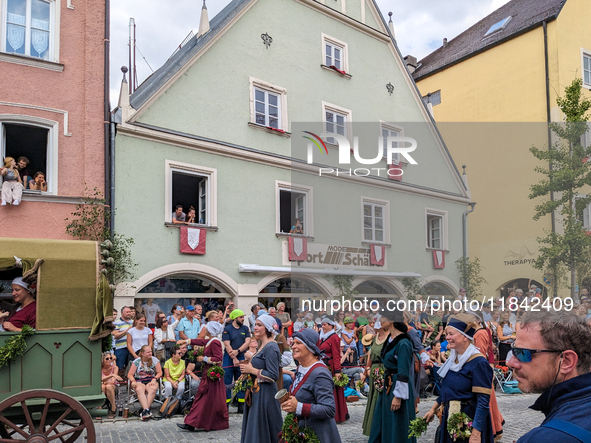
column 298, row 249
column 378, row 255
column 193, row 240
column 439, row 259
column 395, row 172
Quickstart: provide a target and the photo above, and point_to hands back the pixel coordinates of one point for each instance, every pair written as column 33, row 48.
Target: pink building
column 53, row 90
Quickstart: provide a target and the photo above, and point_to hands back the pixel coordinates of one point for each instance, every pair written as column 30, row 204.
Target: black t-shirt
column 236, row 337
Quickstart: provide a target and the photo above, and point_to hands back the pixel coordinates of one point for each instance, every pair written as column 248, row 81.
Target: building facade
column 493, row 89
column 53, row 85
column 249, row 123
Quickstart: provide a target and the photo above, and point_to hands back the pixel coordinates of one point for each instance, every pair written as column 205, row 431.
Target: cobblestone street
column 518, row 420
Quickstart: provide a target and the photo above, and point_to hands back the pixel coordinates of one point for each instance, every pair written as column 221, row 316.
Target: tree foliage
column 90, row 222
column 470, row 277
column 344, row 286
column 568, row 173
column 412, row 286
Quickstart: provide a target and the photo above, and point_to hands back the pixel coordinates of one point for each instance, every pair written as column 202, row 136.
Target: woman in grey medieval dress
column 312, row 392
column 262, row 415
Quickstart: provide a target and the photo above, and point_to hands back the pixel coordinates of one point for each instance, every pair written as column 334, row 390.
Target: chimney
column 123, row 103
column 391, row 25
column 204, row 22
column 411, row 63
column 445, row 43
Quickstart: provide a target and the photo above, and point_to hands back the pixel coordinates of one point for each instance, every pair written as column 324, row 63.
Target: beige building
column 493, row 88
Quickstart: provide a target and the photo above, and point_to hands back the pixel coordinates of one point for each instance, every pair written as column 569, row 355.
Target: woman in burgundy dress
column 330, row 345
column 209, row 411
column 26, row 313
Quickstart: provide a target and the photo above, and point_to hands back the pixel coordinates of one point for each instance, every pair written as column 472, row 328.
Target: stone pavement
column 518, row 420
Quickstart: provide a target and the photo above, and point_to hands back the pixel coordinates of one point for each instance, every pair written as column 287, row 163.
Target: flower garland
column 359, row 385
column 342, row 382
column 243, row 383
column 215, row 373
column 417, row 427
column 15, row 346
column 197, row 351
column 378, row 379
column 459, row 426
column 292, row 433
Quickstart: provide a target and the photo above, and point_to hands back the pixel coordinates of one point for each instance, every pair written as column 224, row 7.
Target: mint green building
column 220, row 128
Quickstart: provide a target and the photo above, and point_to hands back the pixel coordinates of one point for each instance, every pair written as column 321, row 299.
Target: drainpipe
column 112, row 177
column 465, row 234
column 107, row 110
column 548, row 120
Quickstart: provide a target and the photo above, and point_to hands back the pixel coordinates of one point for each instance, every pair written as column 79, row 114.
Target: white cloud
column 420, row 27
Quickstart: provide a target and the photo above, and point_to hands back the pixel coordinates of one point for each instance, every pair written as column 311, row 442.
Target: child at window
column 298, row 228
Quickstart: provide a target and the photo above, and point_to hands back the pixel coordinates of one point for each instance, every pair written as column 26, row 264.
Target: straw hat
column 367, row 339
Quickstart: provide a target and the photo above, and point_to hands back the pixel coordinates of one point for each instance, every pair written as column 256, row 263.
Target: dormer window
column 497, row 27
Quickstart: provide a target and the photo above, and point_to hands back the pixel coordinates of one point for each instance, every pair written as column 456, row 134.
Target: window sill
column 336, row 71
column 285, row 235
column 586, row 86
column 191, row 225
column 437, row 249
column 369, row 243
column 30, row 61
column 38, row 196
column 270, row 130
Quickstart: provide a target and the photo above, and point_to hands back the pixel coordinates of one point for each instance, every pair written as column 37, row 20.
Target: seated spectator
column 435, row 354
column 178, row 216
column 143, row 375
column 109, row 378
column 192, row 370
column 38, row 183
column 191, row 218
column 26, row 313
column 12, row 185
column 349, row 364
column 23, row 171
column 139, row 336
column 174, row 375
column 164, row 333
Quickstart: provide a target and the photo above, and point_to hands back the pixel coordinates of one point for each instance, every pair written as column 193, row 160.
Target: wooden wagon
column 46, row 394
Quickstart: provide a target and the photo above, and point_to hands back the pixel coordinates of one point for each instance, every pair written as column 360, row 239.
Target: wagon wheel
column 38, row 421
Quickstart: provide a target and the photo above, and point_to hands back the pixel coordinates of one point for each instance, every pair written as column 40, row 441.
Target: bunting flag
column 298, row 249
column 439, row 259
column 397, row 173
column 192, row 240
column 378, row 255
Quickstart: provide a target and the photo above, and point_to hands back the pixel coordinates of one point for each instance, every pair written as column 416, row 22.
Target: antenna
column 132, row 64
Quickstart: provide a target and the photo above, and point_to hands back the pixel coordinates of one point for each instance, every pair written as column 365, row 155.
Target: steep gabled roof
column 176, row 62
column 525, row 15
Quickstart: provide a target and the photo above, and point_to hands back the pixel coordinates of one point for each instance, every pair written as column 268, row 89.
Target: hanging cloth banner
column 438, row 259
column 298, row 249
column 378, row 255
column 193, row 240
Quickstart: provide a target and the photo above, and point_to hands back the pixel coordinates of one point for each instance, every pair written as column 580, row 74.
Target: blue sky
column 420, row 27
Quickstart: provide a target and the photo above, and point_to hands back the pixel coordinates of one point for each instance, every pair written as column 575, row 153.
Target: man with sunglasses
column 551, row 356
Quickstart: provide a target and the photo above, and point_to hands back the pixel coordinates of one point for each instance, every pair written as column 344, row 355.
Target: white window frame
column 430, row 212
column 54, row 30
column 171, row 166
column 395, row 128
column 386, row 210
column 585, row 53
column 308, row 211
column 347, row 113
column 586, row 137
column 336, row 42
column 274, row 89
column 51, row 173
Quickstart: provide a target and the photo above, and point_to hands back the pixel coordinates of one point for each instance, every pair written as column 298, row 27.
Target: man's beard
column 239, row 322
column 538, row 386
